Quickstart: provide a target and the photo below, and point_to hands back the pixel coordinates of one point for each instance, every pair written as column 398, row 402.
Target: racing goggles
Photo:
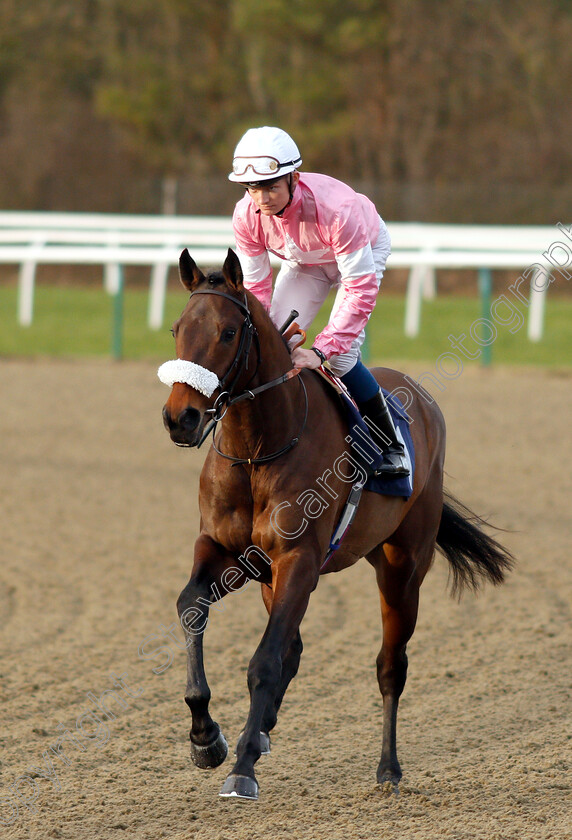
column 264, row 165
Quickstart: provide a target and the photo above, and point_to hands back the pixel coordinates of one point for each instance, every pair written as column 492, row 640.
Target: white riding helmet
column 264, row 154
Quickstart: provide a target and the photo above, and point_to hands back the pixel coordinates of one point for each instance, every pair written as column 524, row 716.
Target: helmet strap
column 286, row 206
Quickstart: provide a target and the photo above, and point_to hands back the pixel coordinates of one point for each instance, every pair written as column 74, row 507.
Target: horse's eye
column 228, row 335
column 172, row 331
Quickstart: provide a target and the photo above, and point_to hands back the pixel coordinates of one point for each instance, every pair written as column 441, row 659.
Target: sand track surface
column 98, row 518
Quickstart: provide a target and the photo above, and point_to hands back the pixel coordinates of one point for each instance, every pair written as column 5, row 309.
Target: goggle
column 265, row 165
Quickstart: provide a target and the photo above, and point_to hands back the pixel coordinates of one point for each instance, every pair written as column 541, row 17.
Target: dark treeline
column 449, row 111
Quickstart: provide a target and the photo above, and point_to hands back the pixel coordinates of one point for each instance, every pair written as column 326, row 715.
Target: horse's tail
column 472, row 554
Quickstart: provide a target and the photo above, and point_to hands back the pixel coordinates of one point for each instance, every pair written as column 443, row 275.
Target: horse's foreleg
column 290, row 665
column 208, row 745
column 272, row 667
column 399, row 595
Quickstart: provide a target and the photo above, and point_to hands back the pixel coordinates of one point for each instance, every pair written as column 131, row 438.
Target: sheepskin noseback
column 188, row 373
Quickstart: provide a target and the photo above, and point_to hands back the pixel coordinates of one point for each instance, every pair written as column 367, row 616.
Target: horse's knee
column 192, row 604
column 186, row 597
column 264, row 672
column 291, row 661
column 392, row 672
column 296, row 646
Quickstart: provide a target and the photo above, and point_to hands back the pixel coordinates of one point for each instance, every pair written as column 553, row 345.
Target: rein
column 265, row 458
column 226, row 399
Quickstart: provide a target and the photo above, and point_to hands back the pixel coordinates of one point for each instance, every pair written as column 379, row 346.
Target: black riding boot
column 382, row 430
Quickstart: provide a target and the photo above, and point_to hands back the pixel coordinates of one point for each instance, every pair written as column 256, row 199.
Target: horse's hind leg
column 398, row 583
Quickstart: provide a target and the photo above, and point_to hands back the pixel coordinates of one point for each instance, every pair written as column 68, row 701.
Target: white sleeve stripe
column 356, row 264
column 256, row 268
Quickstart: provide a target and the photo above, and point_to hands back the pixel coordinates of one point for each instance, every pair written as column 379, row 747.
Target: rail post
column 485, row 289
column 117, row 325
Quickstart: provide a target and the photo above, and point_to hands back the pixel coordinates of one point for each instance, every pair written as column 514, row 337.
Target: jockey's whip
column 288, row 321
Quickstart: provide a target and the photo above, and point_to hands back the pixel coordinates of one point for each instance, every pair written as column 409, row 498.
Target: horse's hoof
column 389, row 788
column 241, row 787
column 388, row 779
column 264, row 743
column 211, row 755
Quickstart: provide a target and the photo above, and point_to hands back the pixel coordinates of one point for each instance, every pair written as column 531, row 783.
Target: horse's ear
column 189, row 272
column 232, row 272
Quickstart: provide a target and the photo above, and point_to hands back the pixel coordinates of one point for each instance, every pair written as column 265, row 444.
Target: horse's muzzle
column 185, row 428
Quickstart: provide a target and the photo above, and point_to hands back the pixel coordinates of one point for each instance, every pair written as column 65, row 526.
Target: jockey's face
column 272, row 196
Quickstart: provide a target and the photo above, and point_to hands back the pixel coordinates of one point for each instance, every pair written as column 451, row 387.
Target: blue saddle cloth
column 359, row 432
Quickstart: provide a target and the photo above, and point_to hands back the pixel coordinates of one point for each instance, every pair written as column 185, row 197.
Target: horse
column 273, row 487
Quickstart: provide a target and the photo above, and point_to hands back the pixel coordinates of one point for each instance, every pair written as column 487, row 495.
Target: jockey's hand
column 302, row 358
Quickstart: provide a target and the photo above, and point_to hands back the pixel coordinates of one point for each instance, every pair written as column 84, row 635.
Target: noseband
column 225, row 399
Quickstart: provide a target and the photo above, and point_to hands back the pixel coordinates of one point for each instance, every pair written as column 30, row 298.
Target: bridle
column 248, row 334
column 227, row 398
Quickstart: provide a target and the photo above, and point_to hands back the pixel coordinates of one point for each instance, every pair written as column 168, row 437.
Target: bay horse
column 272, row 490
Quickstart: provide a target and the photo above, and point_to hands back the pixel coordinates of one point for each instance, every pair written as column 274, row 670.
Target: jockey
column 328, row 236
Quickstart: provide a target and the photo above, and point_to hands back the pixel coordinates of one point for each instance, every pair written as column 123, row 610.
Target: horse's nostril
column 167, row 419
column 188, row 419
column 183, row 425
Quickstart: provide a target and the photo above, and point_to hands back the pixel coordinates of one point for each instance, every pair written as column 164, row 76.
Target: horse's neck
column 274, row 356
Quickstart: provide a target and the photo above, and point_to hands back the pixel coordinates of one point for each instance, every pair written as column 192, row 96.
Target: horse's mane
column 266, row 324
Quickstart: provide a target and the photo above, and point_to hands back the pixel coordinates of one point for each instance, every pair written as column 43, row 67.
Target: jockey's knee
column 344, row 362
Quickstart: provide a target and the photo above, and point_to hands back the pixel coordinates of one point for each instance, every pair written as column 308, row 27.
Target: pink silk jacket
column 327, row 222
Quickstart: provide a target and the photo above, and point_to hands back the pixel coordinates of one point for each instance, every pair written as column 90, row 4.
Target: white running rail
column 29, row 239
